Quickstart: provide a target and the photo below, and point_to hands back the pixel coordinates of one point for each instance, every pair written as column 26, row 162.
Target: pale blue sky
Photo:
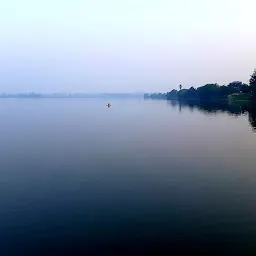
column 124, row 46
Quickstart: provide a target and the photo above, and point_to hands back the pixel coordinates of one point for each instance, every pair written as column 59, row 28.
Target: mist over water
column 138, row 177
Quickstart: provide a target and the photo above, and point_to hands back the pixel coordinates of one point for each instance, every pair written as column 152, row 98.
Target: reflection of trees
column 251, row 109
column 215, row 107
column 252, row 120
column 211, row 106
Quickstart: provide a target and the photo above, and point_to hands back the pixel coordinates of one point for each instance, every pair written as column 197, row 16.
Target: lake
column 141, row 177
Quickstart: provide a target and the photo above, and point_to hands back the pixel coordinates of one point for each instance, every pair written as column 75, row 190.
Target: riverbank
column 209, row 92
column 234, row 91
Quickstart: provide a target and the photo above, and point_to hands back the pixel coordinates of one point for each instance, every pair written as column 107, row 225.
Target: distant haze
column 124, row 46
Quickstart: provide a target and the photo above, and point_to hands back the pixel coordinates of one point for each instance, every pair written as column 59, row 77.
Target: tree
column 192, row 93
column 209, row 91
column 156, row 96
column 182, row 93
column 239, row 87
column 252, row 82
column 224, row 91
column 172, row 95
column 245, row 88
column 236, row 85
column 188, row 94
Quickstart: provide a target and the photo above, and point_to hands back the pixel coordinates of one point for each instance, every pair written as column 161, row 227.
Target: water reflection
column 213, row 108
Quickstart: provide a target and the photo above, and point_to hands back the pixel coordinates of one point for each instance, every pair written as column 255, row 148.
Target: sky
column 124, row 46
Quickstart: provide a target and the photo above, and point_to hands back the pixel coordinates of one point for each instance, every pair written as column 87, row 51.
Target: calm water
column 139, row 178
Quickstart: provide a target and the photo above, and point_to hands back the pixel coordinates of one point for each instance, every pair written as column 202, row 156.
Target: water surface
column 139, row 178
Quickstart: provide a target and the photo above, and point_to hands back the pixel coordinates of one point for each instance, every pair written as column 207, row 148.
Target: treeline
column 21, row 95
column 155, row 95
column 70, row 95
column 234, row 90
column 210, row 91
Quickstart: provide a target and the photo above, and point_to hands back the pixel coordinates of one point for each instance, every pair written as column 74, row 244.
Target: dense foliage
column 234, row 90
column 252, row 82
column 155, row 96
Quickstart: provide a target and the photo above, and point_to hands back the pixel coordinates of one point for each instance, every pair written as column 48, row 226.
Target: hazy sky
column 124, row 45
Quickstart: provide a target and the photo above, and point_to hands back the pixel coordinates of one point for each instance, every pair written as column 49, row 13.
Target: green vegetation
column 252, row 82
column 240, row 96
column 155, row 96
column 211, row 92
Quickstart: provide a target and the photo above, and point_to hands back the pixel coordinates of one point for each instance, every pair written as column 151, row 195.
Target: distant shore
column 234, row 91
column 70, row 95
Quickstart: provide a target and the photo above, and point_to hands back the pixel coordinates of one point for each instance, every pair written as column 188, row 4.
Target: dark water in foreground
column 139, row 178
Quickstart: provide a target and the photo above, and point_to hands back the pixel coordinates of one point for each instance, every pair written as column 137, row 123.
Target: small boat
column 108, row 105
